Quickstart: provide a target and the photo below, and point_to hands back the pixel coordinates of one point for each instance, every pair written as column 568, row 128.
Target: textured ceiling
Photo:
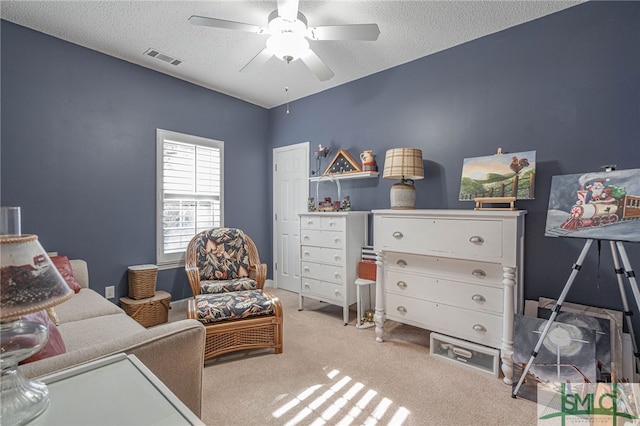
column 213, row 57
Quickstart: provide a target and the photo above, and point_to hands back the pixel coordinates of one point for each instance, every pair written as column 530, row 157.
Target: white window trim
column 176, row 260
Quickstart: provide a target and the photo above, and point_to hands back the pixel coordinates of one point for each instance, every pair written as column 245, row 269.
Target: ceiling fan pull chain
column 286, row 83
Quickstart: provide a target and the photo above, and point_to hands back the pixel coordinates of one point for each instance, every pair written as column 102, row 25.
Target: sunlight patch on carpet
column 342, row 403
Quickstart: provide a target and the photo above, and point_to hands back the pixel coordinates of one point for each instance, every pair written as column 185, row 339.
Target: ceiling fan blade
column 288, row 9
column 367, row 32
column 259, row 60
column 221, row 23
column 315, row 64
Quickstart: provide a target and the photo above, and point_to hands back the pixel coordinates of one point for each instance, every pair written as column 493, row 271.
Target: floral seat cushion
column 225, row 286
column 211, row 308
column 222, row 254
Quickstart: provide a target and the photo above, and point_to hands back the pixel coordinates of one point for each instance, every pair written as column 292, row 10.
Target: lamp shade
column 403, row 163
column 30, row 281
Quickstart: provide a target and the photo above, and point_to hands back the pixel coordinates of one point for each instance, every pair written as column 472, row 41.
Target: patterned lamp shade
column 403, row 163
column 30, row 281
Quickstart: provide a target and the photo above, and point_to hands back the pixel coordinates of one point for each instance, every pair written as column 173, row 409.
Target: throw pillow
column 64, row 267
column 54, row 345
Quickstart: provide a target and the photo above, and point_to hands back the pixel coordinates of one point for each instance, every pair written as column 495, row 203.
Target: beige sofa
column 92, row 327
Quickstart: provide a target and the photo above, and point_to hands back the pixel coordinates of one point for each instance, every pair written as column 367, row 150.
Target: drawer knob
column 306, row 253
column 306, row 269
column 397, row 235
column 307, row 286
column 401, row 284
column 336, row 292
column 479, row 273
column 305, row 237
column 401, row 262
column 476, row 239
column 479, row 327
column 402, row 309
column 337, row 275
column 309, row 222
column 478, row 298
column 336, row 257
column 331, row 223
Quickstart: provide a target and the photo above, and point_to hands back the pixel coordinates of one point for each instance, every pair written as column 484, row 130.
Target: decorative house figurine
column 368, row 161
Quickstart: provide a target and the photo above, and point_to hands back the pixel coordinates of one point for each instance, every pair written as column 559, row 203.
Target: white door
column 290, row 194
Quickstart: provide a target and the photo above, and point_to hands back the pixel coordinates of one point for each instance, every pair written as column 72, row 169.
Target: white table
column 118, row 390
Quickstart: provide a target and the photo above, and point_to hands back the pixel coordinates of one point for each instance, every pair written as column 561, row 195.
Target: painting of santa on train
column 588, row 205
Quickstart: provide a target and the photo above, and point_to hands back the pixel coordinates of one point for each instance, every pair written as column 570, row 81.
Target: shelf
column 358, row 175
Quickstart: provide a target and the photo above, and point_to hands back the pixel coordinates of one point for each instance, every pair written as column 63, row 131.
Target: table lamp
column 30, row 283
column 406, row 165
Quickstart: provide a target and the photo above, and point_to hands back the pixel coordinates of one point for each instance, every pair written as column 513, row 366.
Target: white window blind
column 189, row 192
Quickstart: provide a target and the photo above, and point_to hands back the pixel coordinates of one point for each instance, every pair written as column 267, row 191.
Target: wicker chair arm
column 193, row 275
column 259, row 274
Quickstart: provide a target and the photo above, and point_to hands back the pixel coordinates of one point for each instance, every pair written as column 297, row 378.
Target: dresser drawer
column 332, row 223
column 322, row 289
column 479, row 327
column 314, row 237
column 322, row 255
column 331, row 273
column 458, row 269
column 454, row 293
column 470, row 239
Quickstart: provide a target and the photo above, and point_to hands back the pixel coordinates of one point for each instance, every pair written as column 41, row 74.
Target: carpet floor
column 331, row 374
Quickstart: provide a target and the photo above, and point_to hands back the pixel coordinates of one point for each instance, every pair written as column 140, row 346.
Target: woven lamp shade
column 403, row 163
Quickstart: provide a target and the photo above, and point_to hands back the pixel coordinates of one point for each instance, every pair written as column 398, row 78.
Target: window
column 189, row 192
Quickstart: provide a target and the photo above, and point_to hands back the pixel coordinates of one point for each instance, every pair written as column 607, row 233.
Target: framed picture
column 600, row 205
column 343, row 162
column 497, row 176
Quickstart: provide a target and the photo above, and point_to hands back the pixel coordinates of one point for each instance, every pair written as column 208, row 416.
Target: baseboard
column 180, row 304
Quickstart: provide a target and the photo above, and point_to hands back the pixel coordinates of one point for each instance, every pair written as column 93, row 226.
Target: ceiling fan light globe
column 287, row 45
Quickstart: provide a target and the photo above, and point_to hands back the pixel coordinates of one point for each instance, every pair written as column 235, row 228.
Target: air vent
column 163, row 57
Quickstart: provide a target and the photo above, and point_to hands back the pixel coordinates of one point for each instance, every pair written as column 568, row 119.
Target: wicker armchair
column 227, row 280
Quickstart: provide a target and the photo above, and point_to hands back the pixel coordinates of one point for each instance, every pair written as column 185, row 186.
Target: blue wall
column 78, row 153
column 567, row 86
column 78, row 141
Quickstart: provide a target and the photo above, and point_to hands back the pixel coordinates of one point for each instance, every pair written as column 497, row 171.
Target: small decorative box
column 148, row 312
column 367, row 270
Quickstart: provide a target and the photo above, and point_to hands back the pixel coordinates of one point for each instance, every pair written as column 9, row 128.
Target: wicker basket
column 148, row 312
column 367, row 270
column 142, row 281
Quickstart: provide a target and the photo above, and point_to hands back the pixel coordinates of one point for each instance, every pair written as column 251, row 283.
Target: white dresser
column 330, row 249
column 457, row 272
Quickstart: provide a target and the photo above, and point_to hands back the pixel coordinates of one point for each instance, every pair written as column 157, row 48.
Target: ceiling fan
column 288, row 31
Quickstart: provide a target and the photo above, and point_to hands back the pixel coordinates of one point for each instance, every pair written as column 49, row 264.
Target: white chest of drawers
column 330, row 248
column 456, row 272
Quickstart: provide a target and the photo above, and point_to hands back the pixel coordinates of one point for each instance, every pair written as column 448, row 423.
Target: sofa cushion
column 64, row 267
column 55, row 343
column 92, row 331
column 85, row 304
